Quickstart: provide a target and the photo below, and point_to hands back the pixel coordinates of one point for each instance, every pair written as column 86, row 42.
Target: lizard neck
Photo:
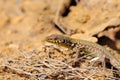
column 69, row 43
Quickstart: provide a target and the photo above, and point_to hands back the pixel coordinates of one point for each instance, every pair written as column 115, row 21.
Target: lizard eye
column 55, row 38
column 63, row 41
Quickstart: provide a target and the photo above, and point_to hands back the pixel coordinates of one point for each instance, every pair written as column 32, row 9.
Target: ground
column 24, row 25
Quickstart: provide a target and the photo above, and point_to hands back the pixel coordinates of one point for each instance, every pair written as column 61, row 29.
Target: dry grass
column 39, row 65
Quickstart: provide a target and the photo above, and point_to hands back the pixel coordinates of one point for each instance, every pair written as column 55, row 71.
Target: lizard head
column 60, row 40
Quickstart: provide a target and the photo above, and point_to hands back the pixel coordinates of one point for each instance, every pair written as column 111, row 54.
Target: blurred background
column 24, row 24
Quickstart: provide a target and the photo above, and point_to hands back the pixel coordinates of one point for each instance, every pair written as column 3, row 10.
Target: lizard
column 76, row 45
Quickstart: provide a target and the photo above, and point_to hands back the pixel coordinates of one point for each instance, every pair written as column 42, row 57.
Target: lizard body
column 76, row 45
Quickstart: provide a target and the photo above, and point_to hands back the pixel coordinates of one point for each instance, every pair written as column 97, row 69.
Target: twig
column 61, row 9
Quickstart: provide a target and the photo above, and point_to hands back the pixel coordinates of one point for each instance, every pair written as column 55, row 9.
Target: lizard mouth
column 50, row 39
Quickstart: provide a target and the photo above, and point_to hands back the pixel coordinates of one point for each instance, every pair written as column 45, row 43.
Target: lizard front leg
column 83, row 55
